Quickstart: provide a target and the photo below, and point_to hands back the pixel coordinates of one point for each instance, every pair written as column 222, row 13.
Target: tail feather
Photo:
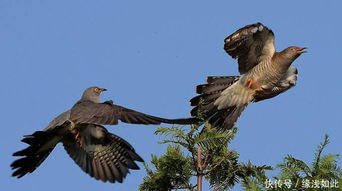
column 202, row 110
column 182, row 121
column 228, row 117
column 222, row 79
column 211, row 91
column 222, row 118
column 34, row 154
column 235, row 95
column 206, row 108
column 195, row 100
column 210, row 88
column 29, row 163
column 204, row 99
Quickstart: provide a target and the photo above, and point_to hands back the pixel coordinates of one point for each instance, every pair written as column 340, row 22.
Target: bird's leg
column 78, row 137
column 249, row 83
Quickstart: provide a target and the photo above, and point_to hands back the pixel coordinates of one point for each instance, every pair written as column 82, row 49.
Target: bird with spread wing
column 265, row 73
column 100, row 154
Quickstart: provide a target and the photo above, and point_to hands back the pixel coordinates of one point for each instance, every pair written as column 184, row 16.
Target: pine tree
column 194, row 154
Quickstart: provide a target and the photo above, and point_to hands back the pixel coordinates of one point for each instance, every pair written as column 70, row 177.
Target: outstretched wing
column 109, row 114
column 59, row 120
column 100, row 154
column 249, row 45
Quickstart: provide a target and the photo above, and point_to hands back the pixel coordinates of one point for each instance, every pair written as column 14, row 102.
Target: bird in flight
column 265, row 73
column 97, row 152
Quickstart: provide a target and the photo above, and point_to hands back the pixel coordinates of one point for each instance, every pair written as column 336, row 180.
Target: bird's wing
column 288, row 81
column 109, row 114
column 59, row 120
column 250, row 45
column 100, row 154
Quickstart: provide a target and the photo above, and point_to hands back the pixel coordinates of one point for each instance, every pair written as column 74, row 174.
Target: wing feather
column 102, row 155
column 249, row 45
column 109, row 114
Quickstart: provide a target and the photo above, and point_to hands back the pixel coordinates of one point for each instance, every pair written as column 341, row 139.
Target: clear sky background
column 150, row 55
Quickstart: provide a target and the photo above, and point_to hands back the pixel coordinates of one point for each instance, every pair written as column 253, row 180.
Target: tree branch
column 199, row 169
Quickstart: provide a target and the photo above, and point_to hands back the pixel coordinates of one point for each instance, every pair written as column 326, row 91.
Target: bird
column 99, row 153
column 264, row 74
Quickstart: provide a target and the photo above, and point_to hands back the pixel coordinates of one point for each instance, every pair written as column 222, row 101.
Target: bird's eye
column 96, row 89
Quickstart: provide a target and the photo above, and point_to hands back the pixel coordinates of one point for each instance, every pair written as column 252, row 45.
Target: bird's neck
column 282, row 61
column 95, row 99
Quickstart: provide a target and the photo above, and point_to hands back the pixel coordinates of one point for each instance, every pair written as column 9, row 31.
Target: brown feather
column 109, row 114
column 102, row 155
column 247, row 45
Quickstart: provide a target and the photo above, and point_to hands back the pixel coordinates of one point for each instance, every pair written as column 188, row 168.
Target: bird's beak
column 302, row 50
column 103, row 89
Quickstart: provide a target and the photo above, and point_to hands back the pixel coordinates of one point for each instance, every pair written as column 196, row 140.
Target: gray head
column 92, row 94
column 293, row 52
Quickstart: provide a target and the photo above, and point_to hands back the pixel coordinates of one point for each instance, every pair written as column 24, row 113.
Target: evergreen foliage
column 194, row 155
column 197, row 155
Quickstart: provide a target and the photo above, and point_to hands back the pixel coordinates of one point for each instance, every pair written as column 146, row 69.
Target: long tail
column 181, row 121
column 208, row 111
column 41, row 143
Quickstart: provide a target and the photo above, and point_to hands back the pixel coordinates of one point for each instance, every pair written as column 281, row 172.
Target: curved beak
column 302, row 50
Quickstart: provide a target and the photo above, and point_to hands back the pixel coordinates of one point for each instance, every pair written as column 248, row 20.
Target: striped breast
column 266, row 73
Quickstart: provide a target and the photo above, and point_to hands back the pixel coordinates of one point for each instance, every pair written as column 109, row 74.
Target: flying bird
column 265, row 73
column 97, row 152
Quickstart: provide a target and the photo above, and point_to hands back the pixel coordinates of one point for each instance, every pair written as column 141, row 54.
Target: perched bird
column 101, row 154
column 265, row 73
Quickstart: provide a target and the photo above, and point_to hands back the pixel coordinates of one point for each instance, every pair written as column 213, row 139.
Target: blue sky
column 150, row 55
